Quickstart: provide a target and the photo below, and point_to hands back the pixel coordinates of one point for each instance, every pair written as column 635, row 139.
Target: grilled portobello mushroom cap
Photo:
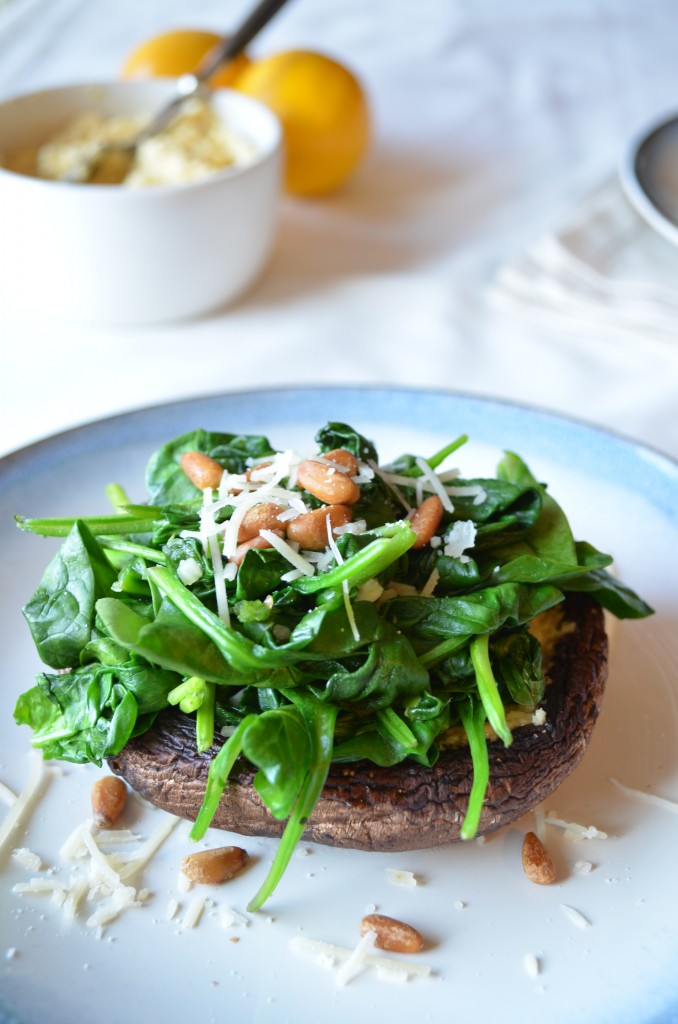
column 405, row 807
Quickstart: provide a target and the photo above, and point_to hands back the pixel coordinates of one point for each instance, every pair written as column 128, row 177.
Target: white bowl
column 120, row 255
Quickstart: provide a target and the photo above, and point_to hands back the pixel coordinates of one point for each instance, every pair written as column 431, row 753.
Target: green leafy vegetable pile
column 372, row 649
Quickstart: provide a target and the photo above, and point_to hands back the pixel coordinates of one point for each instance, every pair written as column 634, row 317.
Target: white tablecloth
column 491, row 121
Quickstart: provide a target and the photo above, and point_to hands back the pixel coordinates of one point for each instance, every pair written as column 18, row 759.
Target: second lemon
column 324, row 113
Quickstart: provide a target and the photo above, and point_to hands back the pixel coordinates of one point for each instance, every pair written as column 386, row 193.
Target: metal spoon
column 187, row 86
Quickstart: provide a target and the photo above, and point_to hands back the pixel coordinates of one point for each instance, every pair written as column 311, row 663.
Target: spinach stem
column 472, row 716
column 487, row 687
column 443, row 650
column 322, row 738
column 439, row 457
column 204, row 720
column 189, row 695
column 117, row 495
column 394, row 727
column 236, row 648
column 390, row 543
column 220, row 769
column 130, row 548
column 120, row 522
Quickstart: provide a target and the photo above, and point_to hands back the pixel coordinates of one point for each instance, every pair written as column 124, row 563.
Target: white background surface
column 491, row 120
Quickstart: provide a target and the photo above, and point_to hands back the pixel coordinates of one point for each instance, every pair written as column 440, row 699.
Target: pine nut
column 537, row 862
column 426, row 520
column 394, row 935
column 201, row 469
column 309, row 530
column 109, row 796
column 260, row 517
column 343, row 458
column 210, row 867
column 329, row 485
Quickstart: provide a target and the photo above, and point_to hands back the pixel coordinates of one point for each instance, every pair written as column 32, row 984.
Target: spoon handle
column 188, row 85
column 232, row 46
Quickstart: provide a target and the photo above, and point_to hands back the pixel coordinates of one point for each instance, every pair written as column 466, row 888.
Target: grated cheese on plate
column 647, row 798
column 399, row 877
column 193, row 912
column 575, row 916
column 98, row 877
column 357, row 960
column 574, row 832
column 22, row 804
column 531, row 965
column 328, row 955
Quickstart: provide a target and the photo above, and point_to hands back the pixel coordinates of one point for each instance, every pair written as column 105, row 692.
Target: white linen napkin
column 601, row 267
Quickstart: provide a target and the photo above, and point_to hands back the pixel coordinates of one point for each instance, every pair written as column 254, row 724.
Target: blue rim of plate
column 631, row 179
column 571, row 442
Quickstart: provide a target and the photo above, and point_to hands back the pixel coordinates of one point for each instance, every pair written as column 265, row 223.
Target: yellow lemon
column 324, row 113
column 179, row 52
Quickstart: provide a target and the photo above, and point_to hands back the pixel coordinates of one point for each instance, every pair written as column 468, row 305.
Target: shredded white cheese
column 328, row 955
column 350, row 614
column 371, row 591
column 288, row 552
column 531, row 965
column 231, row 918
column 193, row 912
column 399, row 877
column 38, row 885
column 21, row 806
column 357, row 961
column 189, row 571
column 99, row 877
column 574, row 832
column 575, row 917
column 27, row 859
column 6, row 795
column 459, row 538
column 431, row 583
column 435, row 483
column 647, row 798
column 208, row 529
column 152, row 845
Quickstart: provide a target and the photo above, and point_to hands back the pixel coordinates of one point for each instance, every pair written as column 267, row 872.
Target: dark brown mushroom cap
column 405, row 807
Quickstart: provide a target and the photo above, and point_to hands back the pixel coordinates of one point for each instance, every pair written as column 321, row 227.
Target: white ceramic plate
column 649, row 175
column 479, row 914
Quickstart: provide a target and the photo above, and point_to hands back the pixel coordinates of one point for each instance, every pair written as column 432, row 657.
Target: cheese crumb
column 230, row 918
column 574, row 832
column 189, row 571
column 27, row 859
column 193, row 913
column 461, row 537
column 531, row 965
column 328, row 955
column 399, row 877
column 20, row 807
column 575, row 917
